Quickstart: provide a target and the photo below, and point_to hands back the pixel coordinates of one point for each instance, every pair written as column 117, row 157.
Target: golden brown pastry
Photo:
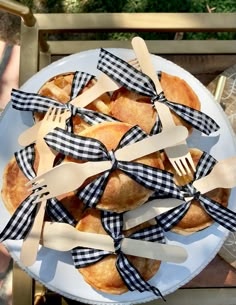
column 134, row 108
column 103, row 275
column 121, row 193
column 59, row 88
column 14, row 190
column 196, row 218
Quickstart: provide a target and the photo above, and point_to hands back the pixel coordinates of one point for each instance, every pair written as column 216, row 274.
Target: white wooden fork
column 178, row 155
column 53, row 118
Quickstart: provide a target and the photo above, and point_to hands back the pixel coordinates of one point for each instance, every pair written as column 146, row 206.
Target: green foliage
column 220, row 6
column 78, row 6
column 129, row 6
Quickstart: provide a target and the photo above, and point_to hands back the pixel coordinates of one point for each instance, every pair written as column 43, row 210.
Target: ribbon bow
column 113, row 223
column 21, row 221
column 219, row 213
column 134, row 80
column 89, row 149
column 25, row 101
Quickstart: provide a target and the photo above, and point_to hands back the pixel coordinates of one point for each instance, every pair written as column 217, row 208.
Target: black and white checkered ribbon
column 25, row 101
column 113, row 224
column 89, row 149
column 21, row 221
column 222, row 215
column 134, row 80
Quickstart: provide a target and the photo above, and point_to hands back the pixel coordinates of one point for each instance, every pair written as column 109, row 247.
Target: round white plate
column 55, row 269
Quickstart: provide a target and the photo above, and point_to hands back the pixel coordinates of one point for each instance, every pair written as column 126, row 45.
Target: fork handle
column 145, row 62
column 152, row 144
column 206, row 183
column 29, row 135
column 148, row 211
column 30, row 244
column 165, row 115
column 88, row 96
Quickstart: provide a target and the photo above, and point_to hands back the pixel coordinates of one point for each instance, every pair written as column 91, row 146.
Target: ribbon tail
column 169, row 219
column 157, row 127
column 204, row 166
column 57, row 212
column 125, row 74
column 199, row 120
column 90, row 116
column 25, row 160
column 75, row 146
column 133, row 135
column 21, row 221
column 132, row 278
column 91, row 193
column 80, row 80
column 221, row 214
column 153, row 233
column 26, row 101
column 84, row 257
column 155, row 179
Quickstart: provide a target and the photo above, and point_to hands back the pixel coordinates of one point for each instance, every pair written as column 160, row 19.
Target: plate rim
column 151, row 297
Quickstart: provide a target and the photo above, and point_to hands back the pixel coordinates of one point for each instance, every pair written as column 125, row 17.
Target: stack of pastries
column 121, row 193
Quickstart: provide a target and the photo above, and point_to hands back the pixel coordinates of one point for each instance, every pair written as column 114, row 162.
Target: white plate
column 55, row 269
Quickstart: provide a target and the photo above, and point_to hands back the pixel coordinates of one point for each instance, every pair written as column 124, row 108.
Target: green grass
column 79, row 6
column 98, row 6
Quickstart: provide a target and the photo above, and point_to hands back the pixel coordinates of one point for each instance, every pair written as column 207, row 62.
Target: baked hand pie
column 14, row 190
column 59, row 88
column 134, row 108
column 121, row 193
column 103, row 275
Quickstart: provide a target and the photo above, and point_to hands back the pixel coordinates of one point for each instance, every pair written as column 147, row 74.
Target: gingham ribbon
column 222, row 215
column 113, row 224
column 89, row 149
column 21, row 221
column 25, row 101
column 134, row 80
